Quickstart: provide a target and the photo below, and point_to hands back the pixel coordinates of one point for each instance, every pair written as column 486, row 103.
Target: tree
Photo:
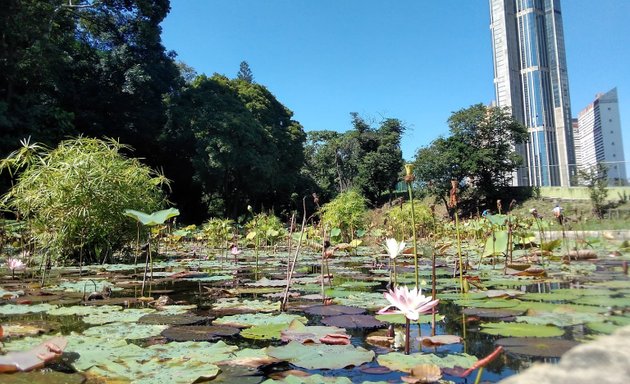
column 233, row 144
column 364, row 158
column 479, row 153
column 245, row 73
column 74, row 196
column 596, row 180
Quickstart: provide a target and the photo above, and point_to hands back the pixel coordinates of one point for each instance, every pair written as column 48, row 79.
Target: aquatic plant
column 393, row 248
column 409, row 178
column 410, row 303
column 14, row 264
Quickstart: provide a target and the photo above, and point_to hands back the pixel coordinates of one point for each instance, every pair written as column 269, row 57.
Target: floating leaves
column 536, row 346
column 520, row 330
column 321, row 356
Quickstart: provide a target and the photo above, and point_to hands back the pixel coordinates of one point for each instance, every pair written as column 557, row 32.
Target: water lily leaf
column 264, row 331
column 492, row 313
column 246, row 305
column 536, row 346
column 199, row 333
column 86, row 286
column 171, row 319
column 48, row 377
column 491, row 303
column 603, row 327
column 397, row 361
column 29, row 328
column 309, row 379
column 353, row 321
column 83, row 310
column 560, row 319
column 520, row 330
column 604, row 301
column 368, row 300
column 440, row 340
column 130, row 315
column 333, row 310
column 124, row 331
column 553, row 296
column 423, row 374
column 36, row 357
column 251, row 319
column 321, row 356
column 401, row 319
column 506, row 293
column 460, row 296
column 310, row 334
column 16, row 309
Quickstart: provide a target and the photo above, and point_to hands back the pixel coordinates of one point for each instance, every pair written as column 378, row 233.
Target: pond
column 218, row 319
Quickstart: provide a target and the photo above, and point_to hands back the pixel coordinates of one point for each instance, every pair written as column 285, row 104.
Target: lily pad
column 397, row 361
column 130, row 315
column 250, row 319
column 603, row 327
column 167, row 319
column 490, row 303
column 333, row 310
column 124, row 332
column 83, row 310
column 264, row 331
column 246, row 305
column 199, row 333
column 15, row 309
column 604, row 301
column 48, row 377
column 401, row 319
column 353, row 321
column 520, row 330
column 310, row 334
column 561, row 319
column 321, row 356
column 309, row 379
column 492, row 313
column 536, row 346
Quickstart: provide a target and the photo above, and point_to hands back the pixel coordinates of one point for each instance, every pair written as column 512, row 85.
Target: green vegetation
column 73, row 197
column 347, row 212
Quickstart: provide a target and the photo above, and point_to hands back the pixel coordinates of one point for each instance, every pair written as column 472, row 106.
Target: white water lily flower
column 409, row 303
column 394, row 248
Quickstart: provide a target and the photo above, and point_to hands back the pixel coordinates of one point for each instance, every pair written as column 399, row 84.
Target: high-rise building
column 599, row 137
column 530, row 77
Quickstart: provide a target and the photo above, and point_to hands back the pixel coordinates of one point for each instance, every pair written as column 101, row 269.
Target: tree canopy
column 479, row 154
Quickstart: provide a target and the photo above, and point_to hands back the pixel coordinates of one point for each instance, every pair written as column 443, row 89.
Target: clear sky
column 414, row 60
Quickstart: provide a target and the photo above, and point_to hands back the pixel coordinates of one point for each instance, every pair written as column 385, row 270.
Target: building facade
column 599, row 138
column 530, row 77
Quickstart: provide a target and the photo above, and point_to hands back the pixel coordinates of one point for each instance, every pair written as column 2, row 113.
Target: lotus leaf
column 535, row 307
column 585, row 292
column 620, row 320
column 560, row 319
column 401, row 319
column 125, row 332
column 130, row 315
column 209, row 279
column 308, row 334
column 9, row 294
column 199, row 333
column 18, row 309
column 536, row 346
column 459, row 296
column 332, row 310
column 368, row 300
column 521, row 330
column 251, row 319
column 353, row 321
column 397, row 361
column 83, row 310
column 496, row 244
column 246, row 305
column 495, row 293
column 153, row 219
column 321, row 356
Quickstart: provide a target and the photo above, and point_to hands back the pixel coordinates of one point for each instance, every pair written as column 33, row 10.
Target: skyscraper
column 530, row 77
column 599, row 137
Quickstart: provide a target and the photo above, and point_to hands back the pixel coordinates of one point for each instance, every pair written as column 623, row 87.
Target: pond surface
column 536, row 314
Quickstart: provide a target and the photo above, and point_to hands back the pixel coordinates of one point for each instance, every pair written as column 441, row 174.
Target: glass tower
column 530, row 77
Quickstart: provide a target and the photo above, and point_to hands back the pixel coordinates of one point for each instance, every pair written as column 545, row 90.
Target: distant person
column 557, row 213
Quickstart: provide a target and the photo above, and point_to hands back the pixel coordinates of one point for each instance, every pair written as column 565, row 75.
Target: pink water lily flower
column 14, row 264
column 410, row 303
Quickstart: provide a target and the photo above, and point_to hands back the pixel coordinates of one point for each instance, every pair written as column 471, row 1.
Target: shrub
column 74, row 196
column 347, row 212
column 399, row 220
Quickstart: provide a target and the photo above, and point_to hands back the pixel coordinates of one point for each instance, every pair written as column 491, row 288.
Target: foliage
column 268, row 228
column 347, row 212
column 364, row 158
column 596, row 180
column 398, row 222
column 245, row 72
column 74, row 196
column 233, row 144
column 218, row 231
column 479, row 153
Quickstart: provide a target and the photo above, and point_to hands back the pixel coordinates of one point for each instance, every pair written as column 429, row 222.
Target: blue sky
column 414, row 60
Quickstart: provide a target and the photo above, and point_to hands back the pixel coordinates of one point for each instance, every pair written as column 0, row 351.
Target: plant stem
column 407, row 335
column 413, row 234
column 459, row 252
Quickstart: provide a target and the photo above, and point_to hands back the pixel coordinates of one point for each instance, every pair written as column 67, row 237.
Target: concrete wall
column 581, row 193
